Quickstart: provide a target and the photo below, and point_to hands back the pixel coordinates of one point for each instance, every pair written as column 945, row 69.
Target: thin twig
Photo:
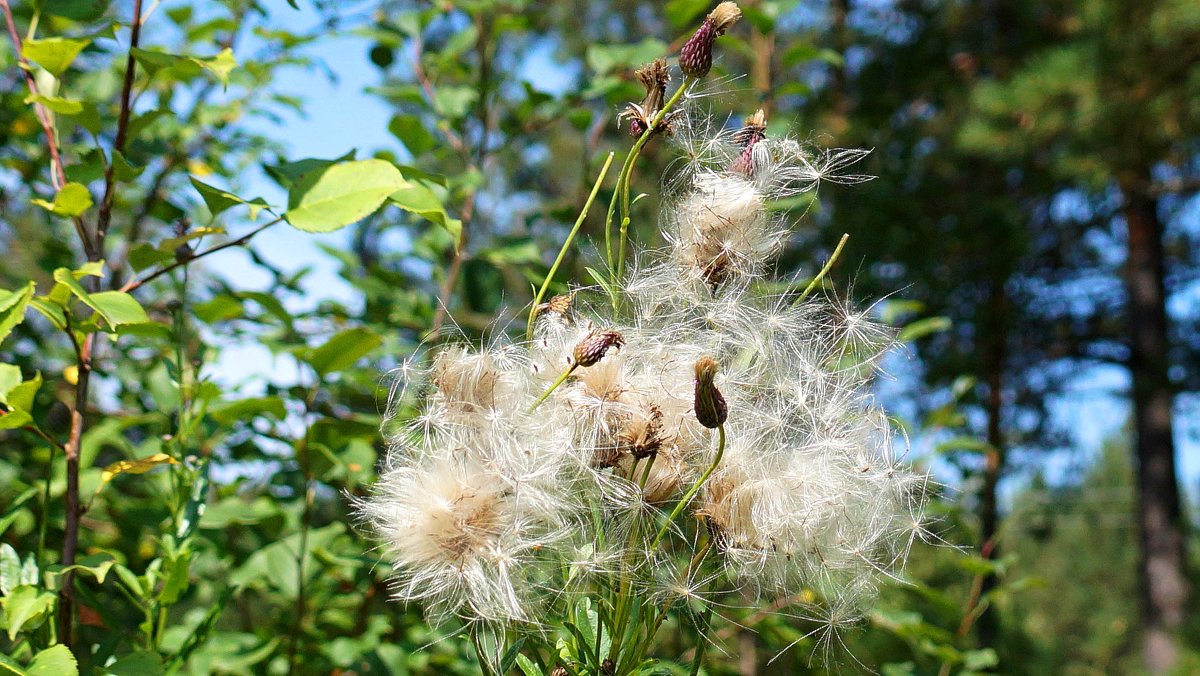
column 104, row 216
column 135, row 283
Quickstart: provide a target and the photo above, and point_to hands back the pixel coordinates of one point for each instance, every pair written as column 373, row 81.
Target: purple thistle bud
column 595, row 345
column 709, row 403
column 695, row 59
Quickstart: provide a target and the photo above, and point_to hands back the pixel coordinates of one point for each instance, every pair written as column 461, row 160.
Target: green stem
column 562, row 253
column 702, row 630
column 824, row 271
column 553, row 386
column 627, row 172
column 682, row 504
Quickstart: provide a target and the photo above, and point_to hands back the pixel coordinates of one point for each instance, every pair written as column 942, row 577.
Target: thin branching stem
column 562, row 253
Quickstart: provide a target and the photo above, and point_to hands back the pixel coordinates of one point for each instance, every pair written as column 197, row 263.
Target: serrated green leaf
column 330, row 198
column 54, row 54
column 53, row 661
column 72, row 200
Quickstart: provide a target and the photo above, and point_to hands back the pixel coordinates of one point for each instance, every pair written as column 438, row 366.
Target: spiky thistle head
column 696, row 56
column 595, row 345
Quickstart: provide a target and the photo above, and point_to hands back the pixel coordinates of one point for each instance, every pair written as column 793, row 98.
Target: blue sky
column 340, row 116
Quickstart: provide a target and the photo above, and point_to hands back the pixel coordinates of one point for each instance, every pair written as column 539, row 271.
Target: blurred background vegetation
column 1033, row 229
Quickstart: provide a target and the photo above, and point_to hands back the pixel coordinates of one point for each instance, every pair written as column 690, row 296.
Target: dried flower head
column 595, row 345
column 696, row 56
column 711, row 409
column 654, row 77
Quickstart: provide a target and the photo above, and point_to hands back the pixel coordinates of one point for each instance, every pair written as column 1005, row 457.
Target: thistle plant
column 663, row 447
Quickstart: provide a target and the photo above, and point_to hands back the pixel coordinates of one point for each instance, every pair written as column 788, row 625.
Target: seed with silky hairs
column 695, row 59
column 709, row 403
column 595, row 345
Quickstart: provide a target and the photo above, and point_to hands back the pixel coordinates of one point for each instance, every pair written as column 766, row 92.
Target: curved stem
column 553, row 386
column 627, row 172
column 824, row 271
column 562, row 253
column 682, row 504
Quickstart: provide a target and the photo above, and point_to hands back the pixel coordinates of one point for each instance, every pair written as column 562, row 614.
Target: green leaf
column 218, row 200
column 528, row 666
column 145, row 256
column 186, row 67
column 10, row 515
column 77, row 10
column 23, row 605
column 288, row 173
column 57, row 104
column 454, row 102
column 12, row 308
column 54, row 54
column 72, row 200
column 20, row 396
column 53, row 661
column 333, row 197
column 342, row 350
column 123, row 170
column 140, row 663
column 923, row 327
column 420, row 200
column 10, row 569
column 230, row 412
column 118, row 307
column 412, row 133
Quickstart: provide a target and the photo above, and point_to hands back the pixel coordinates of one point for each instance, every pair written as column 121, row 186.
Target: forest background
column 183, row 424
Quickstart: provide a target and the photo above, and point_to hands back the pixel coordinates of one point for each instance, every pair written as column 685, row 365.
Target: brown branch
column 104, row 216
column 133, row 284
column 58, row 177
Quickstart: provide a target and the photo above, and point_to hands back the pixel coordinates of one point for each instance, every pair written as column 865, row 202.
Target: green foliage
column 225, row 425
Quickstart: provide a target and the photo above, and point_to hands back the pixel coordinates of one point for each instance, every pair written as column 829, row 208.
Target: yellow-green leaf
column 12, row 308
column 72, row 200
column 140, row 466
column 54, row 54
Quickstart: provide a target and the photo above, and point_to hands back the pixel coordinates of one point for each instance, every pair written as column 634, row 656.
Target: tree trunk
column 1163, row 587
column 989, row 506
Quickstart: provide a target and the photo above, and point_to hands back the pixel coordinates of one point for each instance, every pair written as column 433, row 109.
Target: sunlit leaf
column 72, row 200
column 333, row 197
column 54, row 54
